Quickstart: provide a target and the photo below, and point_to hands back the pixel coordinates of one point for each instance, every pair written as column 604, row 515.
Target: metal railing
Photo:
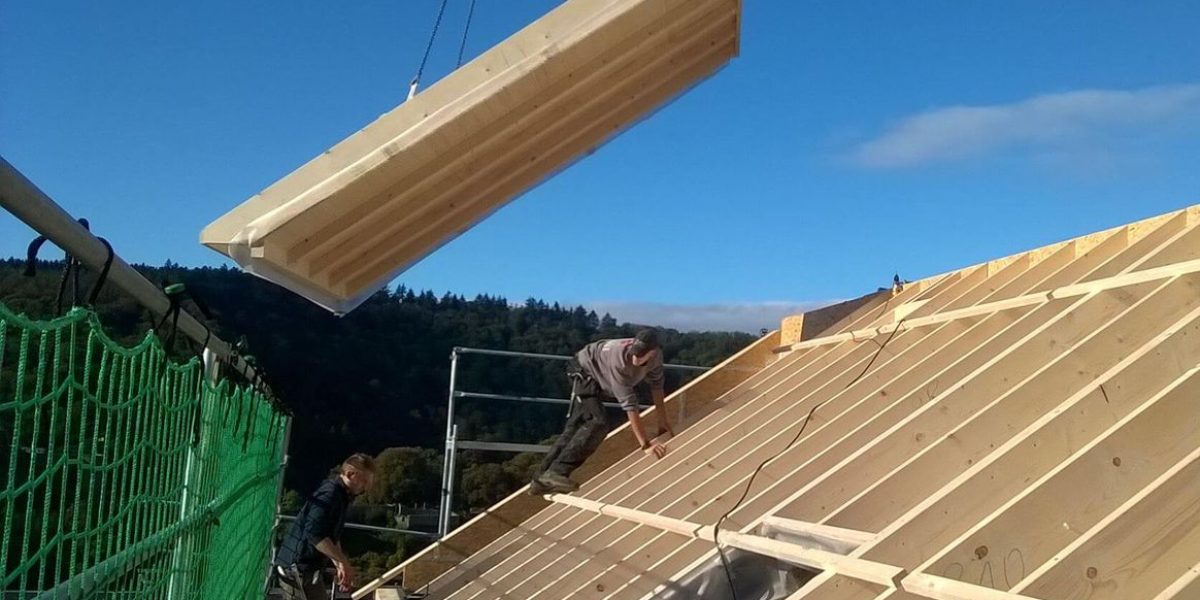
column 374, row 528
column 453, row 444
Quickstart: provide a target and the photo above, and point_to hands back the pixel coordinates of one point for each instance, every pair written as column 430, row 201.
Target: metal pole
column 535, row 399
column 211, row 372
column 450, row 479
column 441, row 524
column 24, row 200
column 448, row 458
column 283, row 464
column 375, row 528
column 516, row 398
column 510, row 353
column 500, row 446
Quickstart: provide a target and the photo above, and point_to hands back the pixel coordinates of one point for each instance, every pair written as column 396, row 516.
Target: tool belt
column 297, row 578
column 583, row 385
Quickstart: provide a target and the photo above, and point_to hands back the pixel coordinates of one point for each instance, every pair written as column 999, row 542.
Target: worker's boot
column 536, row 488
column 556, row 484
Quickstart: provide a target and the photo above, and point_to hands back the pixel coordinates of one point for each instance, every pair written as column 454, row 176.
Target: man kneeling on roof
column 600, row 372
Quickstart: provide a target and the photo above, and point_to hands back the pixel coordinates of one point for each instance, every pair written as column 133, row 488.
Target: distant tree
column 486, row 483
column 406, row 476
column 291, row 502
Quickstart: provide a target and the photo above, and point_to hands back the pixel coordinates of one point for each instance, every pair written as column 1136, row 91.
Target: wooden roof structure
column 349, row 221
column 1024, row 428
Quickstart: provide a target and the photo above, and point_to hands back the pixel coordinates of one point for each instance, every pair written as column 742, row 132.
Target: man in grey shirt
column 601, row 371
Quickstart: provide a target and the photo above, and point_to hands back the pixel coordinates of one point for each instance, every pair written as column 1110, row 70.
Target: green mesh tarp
column 128, row 475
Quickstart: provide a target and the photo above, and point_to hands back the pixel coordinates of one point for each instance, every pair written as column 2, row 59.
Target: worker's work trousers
column 585, row 430
column 296, row 586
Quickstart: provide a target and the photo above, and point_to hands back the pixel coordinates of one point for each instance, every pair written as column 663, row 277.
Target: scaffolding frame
column 453, row 445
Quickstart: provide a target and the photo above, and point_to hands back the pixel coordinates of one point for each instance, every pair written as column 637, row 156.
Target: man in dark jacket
column 603, row 371
column 314, row 538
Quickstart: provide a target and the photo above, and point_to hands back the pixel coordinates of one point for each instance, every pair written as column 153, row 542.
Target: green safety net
column 129, row 475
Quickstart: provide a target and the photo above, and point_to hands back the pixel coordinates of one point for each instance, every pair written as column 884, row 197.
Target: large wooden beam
column 814, row 559
column 341, row 226
column 825, row 536
column 611, row 110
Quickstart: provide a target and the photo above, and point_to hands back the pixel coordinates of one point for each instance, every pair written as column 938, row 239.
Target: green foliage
column 291, row 502
column 408, row 476
column 485, row 484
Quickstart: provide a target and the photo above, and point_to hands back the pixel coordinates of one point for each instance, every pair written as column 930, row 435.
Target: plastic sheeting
column 754, row 576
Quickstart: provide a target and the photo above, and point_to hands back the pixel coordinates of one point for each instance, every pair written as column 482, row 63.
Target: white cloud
column 1059, row 124
column 750, row 316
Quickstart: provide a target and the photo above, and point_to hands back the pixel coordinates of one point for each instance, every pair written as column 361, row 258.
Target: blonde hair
column 359, row 462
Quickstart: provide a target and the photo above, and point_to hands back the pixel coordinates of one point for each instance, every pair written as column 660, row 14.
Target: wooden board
column 349, row 221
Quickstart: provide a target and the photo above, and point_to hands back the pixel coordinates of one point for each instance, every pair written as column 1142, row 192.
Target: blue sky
column 848, row 141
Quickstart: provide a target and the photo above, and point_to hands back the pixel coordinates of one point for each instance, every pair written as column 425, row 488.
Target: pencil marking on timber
column 1013, row 565
column 1020, row 575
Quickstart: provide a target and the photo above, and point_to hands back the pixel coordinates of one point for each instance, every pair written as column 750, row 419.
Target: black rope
column 103, row 276
column 68, row 267
column 429, row 46
column 271, row 427
column 170, row 343
column 31, row 255
column 208, row 316
column 200, row 304
column 763, row 464
column 207, row 338
column 251, row 420
column 70, row 274
column 466, row 29
column 174, row 293
column 237, row 423
column 74, row 266
column 197, row 422
column 72, row 270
